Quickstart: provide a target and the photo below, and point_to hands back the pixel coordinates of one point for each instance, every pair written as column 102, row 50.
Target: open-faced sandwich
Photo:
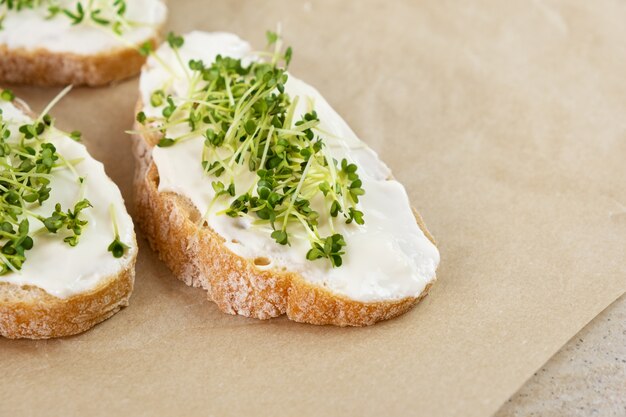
column 67, row 244
column 87, row 42
column 250, row 186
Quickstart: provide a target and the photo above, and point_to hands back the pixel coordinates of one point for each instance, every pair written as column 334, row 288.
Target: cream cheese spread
column 387, row 258
column 53, row 265
column 29, row 29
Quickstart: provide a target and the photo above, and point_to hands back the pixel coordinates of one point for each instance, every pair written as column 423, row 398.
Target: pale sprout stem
column 54, row 102
column 291, row 111
column 114, row 220
column 270, row 135
column 182, row 65
column 231, row 99
column 297, row 192
column 9, row 264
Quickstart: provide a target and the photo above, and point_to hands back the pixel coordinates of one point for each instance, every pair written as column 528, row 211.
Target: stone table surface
column 587, row 377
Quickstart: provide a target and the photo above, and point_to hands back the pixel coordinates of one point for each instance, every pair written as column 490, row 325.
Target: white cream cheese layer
column 53, row 265
column 30, row 30
column 388, row 258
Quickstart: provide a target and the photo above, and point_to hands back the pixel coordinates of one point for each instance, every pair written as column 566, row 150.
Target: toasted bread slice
column 37, row 49
column 197, row 255
column 30, row 311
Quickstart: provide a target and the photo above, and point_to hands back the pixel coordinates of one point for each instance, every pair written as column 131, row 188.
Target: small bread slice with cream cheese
column 62, row 42
column 250, row 186
column 67, row 244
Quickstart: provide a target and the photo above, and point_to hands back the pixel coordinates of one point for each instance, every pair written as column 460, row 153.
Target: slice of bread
column 29, row 311
column 197, row 255
column 246, row 260
column 37, row 50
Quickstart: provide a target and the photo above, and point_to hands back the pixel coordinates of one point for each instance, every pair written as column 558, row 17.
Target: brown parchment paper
column 506, row 121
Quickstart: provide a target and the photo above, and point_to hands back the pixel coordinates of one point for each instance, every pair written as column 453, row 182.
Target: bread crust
column 30, row 312
column 41, row 67
column 197, row 255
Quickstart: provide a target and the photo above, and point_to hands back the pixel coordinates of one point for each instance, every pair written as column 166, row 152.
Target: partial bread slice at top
column 42, row 51
column 30, row 311
column 45, row 68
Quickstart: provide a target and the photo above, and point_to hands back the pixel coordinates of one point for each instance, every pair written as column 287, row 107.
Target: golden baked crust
column 44, row 68
column 198, row 256
column 30, row 312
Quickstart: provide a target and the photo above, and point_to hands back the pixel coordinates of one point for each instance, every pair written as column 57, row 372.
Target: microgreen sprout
column 141, row 117
column 69, row 220
column 248, row 123
column 76, row 16
column 7, row 95
column 117, row 247
column 145, row 48
column 76, row 135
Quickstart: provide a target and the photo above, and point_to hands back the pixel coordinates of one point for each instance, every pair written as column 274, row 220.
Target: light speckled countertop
column 587, row 377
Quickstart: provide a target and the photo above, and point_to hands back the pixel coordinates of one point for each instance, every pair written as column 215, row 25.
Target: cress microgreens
column 247, row 121
column 69, row 220
column 117, row 247
column 106, row 13
column 27, row 163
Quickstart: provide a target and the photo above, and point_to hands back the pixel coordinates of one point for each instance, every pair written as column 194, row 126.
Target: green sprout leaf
column 118, row 248
column 141, row 117
column 146, row 48
column 7, row 95
column 272, row 37
column 76, row 135
column 96, row 16
column 175, row 41
column 77, row 16
column 280, row 236
column 166, row 142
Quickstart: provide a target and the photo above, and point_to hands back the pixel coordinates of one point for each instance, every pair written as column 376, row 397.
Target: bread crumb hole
column 262, row 261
